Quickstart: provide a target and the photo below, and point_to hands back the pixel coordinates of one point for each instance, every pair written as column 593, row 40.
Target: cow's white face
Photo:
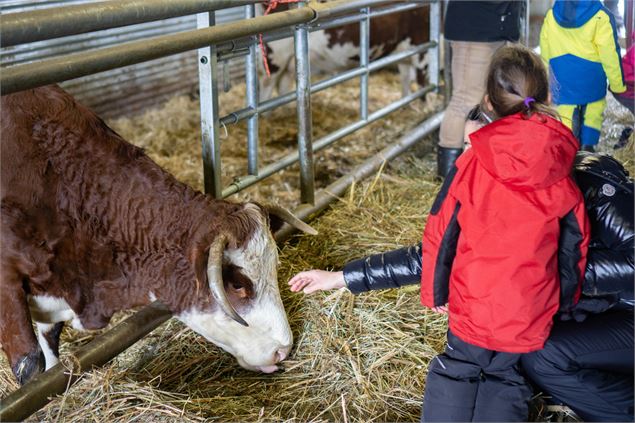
column 251, row 282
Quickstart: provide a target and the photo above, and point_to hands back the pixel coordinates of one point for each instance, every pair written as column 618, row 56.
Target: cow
column 91, row 225
column 336, row 49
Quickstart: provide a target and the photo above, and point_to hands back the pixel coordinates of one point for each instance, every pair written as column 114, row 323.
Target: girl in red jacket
column 506, row 244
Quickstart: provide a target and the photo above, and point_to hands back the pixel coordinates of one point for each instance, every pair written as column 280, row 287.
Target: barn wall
column 126, row 90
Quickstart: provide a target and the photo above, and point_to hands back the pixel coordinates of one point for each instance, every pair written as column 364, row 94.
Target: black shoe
column 445, row 160
column 626, row 134
column 588, row 147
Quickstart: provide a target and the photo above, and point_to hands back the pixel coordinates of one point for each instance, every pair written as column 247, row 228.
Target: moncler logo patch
column 608, row 190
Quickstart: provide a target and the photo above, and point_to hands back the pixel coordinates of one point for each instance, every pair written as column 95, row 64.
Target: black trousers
column 588, row 366
column 469, row 383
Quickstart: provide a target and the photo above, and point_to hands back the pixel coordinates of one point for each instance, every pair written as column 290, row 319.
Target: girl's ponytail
column 517, row 82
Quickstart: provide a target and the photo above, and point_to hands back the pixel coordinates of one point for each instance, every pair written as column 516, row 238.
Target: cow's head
column 246, row 316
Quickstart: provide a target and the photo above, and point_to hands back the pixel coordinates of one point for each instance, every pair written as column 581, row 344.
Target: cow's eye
column 236, row 283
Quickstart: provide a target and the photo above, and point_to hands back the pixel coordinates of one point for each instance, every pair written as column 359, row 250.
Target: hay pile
column 616, row 119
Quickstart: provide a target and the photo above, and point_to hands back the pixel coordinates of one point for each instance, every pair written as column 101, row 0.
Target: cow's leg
column 16, row 332
column 267, row 84
column 406, row 77
column 48, row 336
column 286, row 82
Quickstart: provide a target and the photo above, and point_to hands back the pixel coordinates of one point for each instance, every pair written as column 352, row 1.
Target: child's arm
column 609, row 50
column 392, row 269
column 316, row 280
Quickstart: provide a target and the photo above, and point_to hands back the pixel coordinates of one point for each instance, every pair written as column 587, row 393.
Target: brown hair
column 516, row 76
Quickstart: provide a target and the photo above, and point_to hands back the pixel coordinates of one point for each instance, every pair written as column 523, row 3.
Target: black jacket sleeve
column 392, row 269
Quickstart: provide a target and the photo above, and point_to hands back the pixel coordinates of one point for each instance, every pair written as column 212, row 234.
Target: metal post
column 208, row 86
column 251, row 80
column 527, row 7
column 433, row 53
column 364, row 48
column 629, row 18
column 303, row 108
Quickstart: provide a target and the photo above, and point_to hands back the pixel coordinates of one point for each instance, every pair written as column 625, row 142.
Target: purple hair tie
column 528, row 100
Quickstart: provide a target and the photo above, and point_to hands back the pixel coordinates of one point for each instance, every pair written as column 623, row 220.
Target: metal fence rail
column 37, row 25
column 214, row 43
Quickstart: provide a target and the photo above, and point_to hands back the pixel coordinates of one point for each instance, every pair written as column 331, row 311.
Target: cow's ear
column 279, row 215
column 199, row 260
column 275, row 223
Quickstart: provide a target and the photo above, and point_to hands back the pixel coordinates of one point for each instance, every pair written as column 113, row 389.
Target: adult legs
column 588, row 366
column 470, row 61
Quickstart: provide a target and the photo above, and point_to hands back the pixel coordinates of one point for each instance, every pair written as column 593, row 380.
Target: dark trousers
column 588, row 366
column 469, row 383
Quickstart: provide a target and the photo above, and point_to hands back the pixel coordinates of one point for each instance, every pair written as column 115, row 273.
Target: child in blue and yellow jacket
column 578, row 40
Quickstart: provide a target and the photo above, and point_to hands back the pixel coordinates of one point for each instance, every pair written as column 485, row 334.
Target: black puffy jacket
column 608, row 195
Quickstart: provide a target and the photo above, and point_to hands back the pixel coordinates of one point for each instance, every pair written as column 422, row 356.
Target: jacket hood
column 525, row 154
column 575, row 13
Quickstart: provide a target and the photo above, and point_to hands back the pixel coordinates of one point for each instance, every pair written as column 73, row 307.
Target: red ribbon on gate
column 271, row 5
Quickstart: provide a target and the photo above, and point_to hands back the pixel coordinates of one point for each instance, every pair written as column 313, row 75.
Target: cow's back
column 48, row 139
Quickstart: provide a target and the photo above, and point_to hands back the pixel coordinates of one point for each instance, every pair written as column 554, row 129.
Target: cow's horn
column 290, row 218
column 215, row 278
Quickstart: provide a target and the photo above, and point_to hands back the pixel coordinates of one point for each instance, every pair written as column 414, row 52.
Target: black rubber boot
column 445, row 160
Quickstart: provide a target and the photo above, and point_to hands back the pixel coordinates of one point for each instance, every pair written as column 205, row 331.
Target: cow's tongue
column 268, row 369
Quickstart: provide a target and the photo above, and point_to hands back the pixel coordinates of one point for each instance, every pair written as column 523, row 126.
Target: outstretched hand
column 316, row 280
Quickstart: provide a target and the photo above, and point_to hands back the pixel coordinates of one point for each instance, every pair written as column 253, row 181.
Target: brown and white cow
column 336, row 49
column 90, row 226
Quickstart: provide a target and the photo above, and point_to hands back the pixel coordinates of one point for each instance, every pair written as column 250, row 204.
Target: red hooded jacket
column 506, row 240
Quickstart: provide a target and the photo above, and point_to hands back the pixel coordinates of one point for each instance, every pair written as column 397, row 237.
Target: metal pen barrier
column 37, row 25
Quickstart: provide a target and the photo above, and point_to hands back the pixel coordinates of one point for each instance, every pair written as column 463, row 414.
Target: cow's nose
column 281, row 354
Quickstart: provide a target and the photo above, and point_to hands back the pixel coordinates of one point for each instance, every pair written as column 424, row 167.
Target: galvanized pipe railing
column 31, row 75
column 303, row 112
column 252, row 97
column 208, row 91
column 240, row 47
column 364, row 58
column 265, row 106
column 45, row 24
column 334, row 191
column 292, row 158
